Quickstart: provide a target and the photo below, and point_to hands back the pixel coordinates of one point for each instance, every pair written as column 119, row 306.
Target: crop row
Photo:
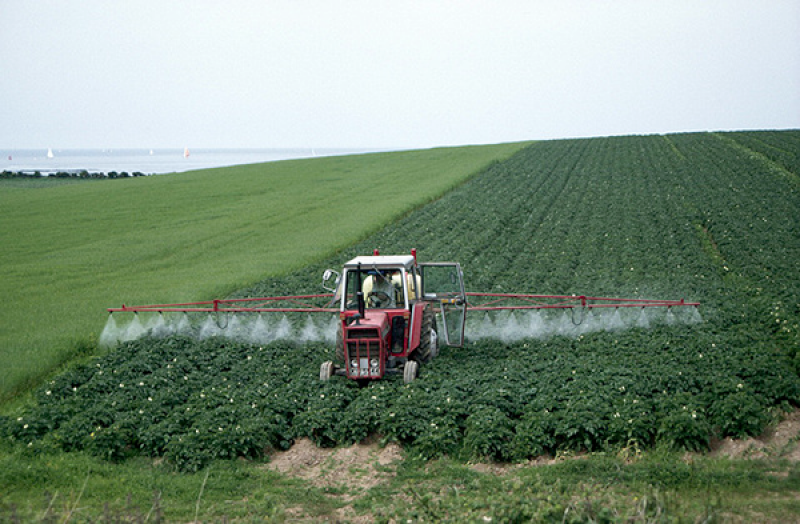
column 197, row 401
column 708, row 217
column 779, row 147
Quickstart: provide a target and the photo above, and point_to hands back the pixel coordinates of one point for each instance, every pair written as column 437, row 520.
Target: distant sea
column 148, row 161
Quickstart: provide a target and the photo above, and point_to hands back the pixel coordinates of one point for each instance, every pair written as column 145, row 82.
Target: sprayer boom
column 386, row 314
column 510, row 301
column 287, row 304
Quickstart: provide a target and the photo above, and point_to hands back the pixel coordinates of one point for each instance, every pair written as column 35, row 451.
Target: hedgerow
column 654, row 217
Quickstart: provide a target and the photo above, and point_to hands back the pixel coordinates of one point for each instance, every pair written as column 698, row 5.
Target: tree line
column 83, row 174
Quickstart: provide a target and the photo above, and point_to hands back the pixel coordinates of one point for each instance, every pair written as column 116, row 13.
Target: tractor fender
column 415, row 329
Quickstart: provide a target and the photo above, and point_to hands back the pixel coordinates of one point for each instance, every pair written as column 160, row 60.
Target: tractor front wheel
column 326, row 371
column 410, row 371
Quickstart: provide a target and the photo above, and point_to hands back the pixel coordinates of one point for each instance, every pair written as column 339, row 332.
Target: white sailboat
column 186, row 152
column 49, row 153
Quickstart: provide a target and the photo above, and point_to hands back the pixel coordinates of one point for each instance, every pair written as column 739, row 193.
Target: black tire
column 427, row 340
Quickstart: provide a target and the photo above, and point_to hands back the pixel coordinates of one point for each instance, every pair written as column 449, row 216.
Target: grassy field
column 71, row 251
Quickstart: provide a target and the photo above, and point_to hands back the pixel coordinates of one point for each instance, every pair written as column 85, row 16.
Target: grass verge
column 49, row 487
column 656, row 487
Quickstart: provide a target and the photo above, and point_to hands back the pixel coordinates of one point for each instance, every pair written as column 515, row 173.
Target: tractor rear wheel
column 428, row 339
column 410, row 371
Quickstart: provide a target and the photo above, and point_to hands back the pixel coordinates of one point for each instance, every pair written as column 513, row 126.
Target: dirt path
column 352, row 470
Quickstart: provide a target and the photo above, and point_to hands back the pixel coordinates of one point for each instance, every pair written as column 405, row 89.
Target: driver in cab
column 379, row 289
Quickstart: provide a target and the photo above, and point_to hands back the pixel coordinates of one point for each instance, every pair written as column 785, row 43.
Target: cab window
column 381, row 288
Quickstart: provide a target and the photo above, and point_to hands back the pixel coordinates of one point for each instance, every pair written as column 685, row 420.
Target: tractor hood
column 373, row 319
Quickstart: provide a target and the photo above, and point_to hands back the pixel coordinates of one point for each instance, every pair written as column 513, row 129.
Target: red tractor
column 388, row 308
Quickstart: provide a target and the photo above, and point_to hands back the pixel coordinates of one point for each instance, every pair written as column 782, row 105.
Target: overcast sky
column 390, row 74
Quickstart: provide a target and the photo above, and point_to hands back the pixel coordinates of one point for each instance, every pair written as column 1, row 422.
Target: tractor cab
column 385, row 282
column 394, row 313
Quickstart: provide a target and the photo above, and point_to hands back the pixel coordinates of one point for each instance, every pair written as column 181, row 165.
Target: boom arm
column 501, row 301
column 287, row 304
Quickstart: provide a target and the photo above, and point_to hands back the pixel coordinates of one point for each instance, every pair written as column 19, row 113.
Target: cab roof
column 381, row 262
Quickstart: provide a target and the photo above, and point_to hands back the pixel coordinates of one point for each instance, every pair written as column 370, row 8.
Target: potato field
column 710, row 217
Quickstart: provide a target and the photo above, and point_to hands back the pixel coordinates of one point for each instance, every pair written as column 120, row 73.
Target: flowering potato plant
column 193, row 402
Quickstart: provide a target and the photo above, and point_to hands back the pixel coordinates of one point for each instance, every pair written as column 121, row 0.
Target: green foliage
column 614, row 216
column 535, row 435
column 488, row 434
column 740, row 414
column 322, row 419
column 683, row 424
column 194, row 402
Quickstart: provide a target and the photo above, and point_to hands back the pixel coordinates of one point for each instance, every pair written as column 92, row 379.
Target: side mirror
column 327, row 276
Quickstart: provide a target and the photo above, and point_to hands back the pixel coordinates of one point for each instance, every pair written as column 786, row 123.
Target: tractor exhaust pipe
column 361, row 303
